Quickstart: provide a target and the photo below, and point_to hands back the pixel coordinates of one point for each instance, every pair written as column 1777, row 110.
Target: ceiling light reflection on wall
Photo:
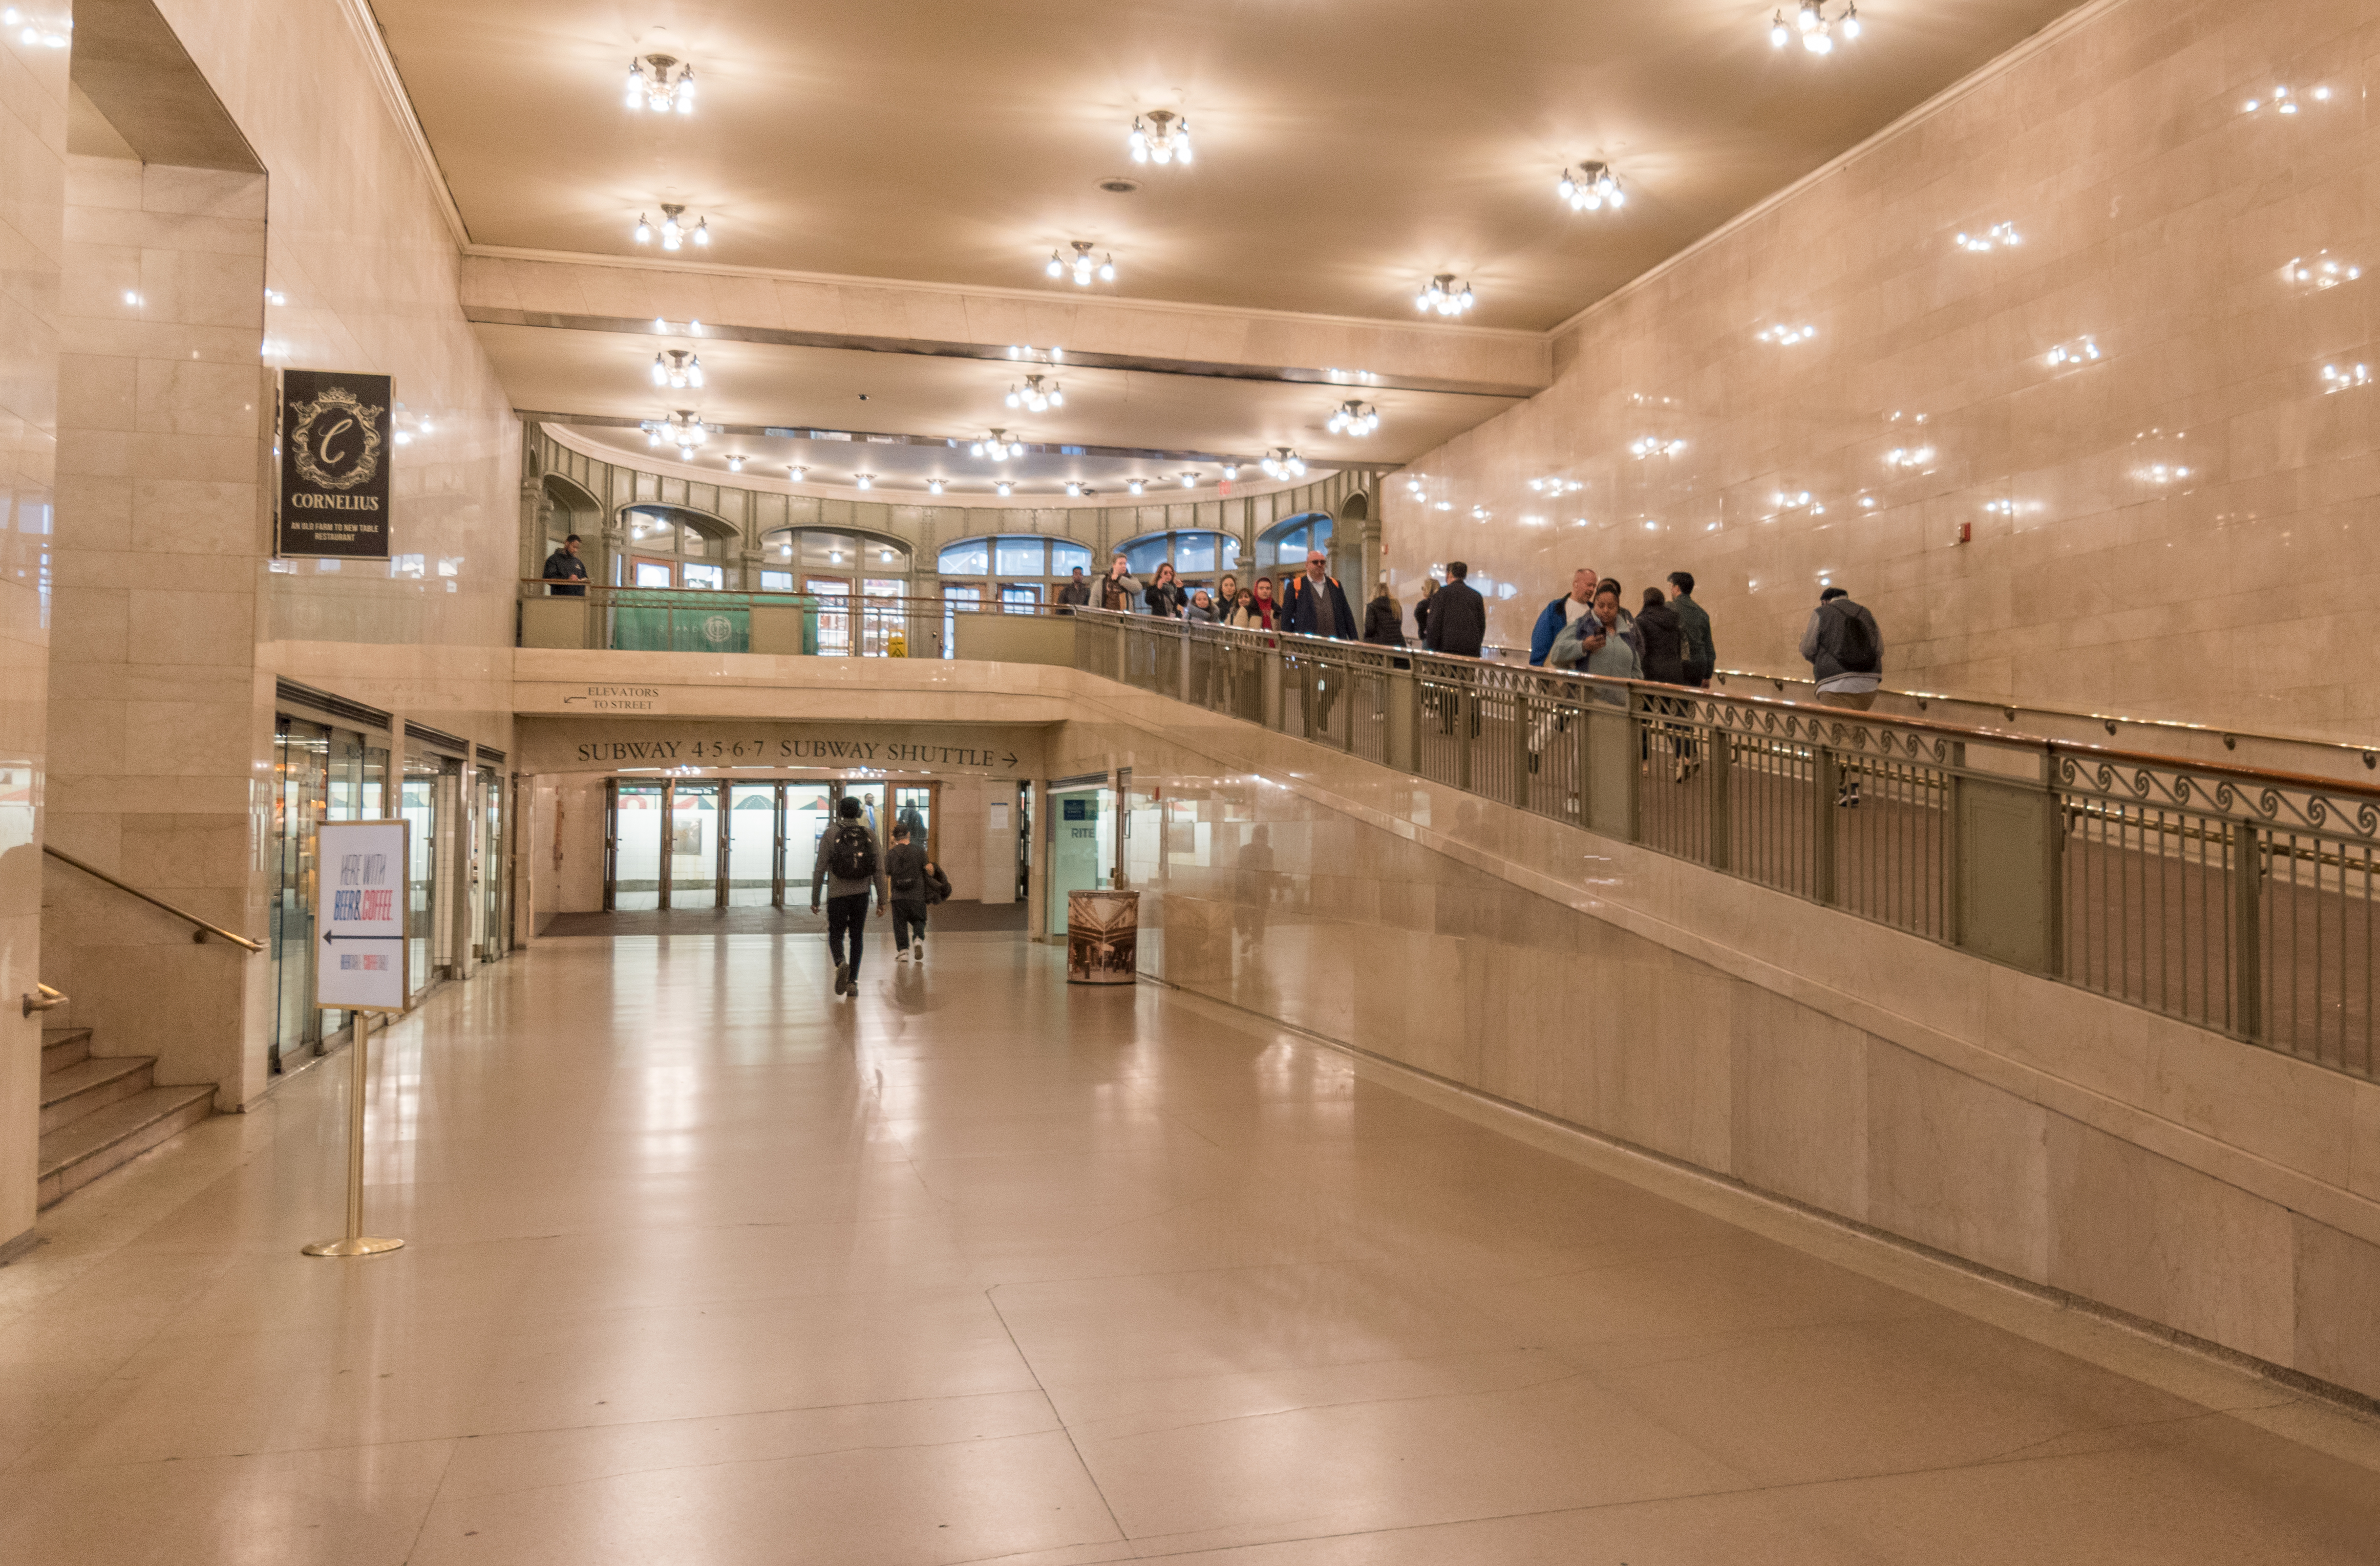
column 1654, row 445
column 1998, row 236
column 1593, row 186
column 2345, row 377
column 662, row 83
column 674, row 231
column 1165, row 139
column 1354, row 418
column 1038, row 394
column 2082, row 350
column 1815, row 29
column 1082, row 265
column 2284, row 101
column 677, row 368
column 2320, row 270
column 1782, row 335
column 1444, row 294
column 1908, row 457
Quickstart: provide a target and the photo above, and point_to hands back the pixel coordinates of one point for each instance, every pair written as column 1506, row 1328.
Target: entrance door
column 637, row 847
column 693, row 846
column 754, row 877
column 808, row 808
column 643, row 573
column 913, row 807
column 833, row 614
column 1081, row 846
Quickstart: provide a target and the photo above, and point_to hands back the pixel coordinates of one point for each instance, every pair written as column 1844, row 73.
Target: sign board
column 332, row 498
column 360, row 912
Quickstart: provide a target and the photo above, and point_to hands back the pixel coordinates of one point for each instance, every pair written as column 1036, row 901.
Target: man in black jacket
column 564, row 565
column 1314, row 605
column 1458, row 616
column 917, row 883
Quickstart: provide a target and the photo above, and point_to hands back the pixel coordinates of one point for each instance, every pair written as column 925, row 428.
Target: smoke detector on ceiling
column 1117, row 185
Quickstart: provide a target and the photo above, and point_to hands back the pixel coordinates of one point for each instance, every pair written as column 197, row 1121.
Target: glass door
column 636, row 847
column 645, row 573
column 420, row 804
column 958, row 597
column 808, row 808
column 693, row 846
column 882, row 616
column 496, row 938
column 871, row 807
column 1019, row 598
column 833, row 615
column 913, row 807
column 1081, row 846
column 301, row 782
column 753, row 877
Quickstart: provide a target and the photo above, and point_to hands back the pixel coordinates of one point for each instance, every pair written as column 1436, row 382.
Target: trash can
column 1102, row 936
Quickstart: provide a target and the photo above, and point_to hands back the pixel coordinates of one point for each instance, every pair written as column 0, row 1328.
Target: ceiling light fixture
column 1444, row 294
column 1082, row 265
column 1230, row 471
column 684, row 429
column 1593, row 186
column 933, row 486
column 1038, row 394
column 1073, row 486
column 1283, row 461
column 796, row 472
column 675, row 232
column 1165, row 139
column 735, row 463
column 1004, row 487
column 1189, row 480
column 1133, row 484
column 679, row 367
column 1817, row 31
column 662, row 83
column 997, row 446
column 865, row 480
column 1354, row 418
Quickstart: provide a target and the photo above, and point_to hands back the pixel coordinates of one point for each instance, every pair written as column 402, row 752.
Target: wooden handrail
column 202, row 928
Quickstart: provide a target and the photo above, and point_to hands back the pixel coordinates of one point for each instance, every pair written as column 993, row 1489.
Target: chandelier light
column 735, row 463
column 1082, row 265
column 675, row 233
column 998, row 447
column 1354, row 418
column 1230, row 471
column 1593, row 186
column 796, row 472
column 1284, row 463
column 1038, row 394
column 1004, row 487
column 1189, row 480
column 662, row 83
column 865, row 480
column 1164, row 138
column 684, row 430
column 1444, row 294
column 933, row 486
column 1814, row 27
column 677, row 368
column 1134, row 485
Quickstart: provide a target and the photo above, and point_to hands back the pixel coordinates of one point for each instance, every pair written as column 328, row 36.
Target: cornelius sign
column 332, row 495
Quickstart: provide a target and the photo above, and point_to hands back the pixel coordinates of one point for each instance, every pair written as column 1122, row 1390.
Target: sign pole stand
column 357, row 1243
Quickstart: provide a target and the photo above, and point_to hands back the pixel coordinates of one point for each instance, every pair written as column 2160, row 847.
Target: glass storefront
column 301, row 798
column 426, row 801
column 752, row 841
column 636, row 879
column 1082, row 847
column 694, row 845
column 770, row 843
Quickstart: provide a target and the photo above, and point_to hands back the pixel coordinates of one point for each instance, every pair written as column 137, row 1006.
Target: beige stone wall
column 33, row 186
column 2158, row 215
column 2217, row 1189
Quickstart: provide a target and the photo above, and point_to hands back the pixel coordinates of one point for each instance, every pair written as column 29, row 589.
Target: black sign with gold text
column 334, row 452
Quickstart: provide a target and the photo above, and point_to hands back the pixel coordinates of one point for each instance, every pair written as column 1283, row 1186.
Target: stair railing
column 201, row 929
column 47, row 1000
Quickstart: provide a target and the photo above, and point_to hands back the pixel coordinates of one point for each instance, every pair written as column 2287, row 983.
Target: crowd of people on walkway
column 1588, row 630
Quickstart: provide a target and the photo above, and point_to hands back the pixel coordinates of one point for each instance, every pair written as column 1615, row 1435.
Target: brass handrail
column 202, row 928
column 48, row 1000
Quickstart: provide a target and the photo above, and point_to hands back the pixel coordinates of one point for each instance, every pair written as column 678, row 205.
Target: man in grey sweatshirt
column 849, row 866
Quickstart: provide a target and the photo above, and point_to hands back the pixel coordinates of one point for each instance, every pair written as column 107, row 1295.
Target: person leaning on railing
column 1165, row 595
column 1458, row 616
column 1074, row 593
column 1384, row 620
column 1119, row 593
column 564, row 565
column 1702, row 653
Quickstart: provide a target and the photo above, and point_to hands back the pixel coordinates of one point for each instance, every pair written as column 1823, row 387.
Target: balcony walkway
column 707, row 1267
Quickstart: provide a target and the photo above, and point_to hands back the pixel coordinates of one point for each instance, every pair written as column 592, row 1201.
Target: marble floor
column 704, row 1266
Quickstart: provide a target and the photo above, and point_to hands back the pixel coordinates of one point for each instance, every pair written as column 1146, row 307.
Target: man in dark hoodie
column 917, row 883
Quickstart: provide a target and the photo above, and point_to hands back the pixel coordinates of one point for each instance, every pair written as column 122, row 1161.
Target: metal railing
column 708, row 620
column 200, row 928
column 2237, row 898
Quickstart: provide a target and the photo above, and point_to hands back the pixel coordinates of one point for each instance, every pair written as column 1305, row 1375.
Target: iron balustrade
column 558, row 614
column 2236, row 898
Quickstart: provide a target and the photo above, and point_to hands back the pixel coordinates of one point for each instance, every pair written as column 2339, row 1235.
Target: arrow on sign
column 1010, row 761
column 328, row 937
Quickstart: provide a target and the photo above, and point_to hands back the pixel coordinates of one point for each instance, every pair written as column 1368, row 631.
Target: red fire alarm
column 1966, row 532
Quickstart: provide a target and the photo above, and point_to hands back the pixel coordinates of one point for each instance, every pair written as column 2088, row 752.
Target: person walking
column 849, row 868
column 1846, row 654
column 917, row 883
column 1119, row 593
column 1561, row 612
column 1702, row 653
column 1075, row 592
column 1458, row 616
column 1164, row 594
column 564, row 565
column 1421, row 606
column 1314, row 605
column 1384, row 620
column 1661, row 639
column 1845, row 651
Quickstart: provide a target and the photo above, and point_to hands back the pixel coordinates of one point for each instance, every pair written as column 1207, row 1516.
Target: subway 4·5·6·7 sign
column 361, row 904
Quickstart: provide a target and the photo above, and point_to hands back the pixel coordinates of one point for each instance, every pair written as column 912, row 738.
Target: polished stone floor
column 706, row 1267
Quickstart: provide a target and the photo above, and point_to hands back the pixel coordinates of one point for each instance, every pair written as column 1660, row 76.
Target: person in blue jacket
column 1578, row 601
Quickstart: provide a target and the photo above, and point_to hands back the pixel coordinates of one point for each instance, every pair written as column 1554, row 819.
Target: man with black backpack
column 849, row 868
column 1845, row 651
column 917, row 884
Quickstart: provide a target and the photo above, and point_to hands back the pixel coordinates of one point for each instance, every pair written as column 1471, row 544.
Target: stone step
column 63, row 1046
column 81, row 1150
column 71, row 1092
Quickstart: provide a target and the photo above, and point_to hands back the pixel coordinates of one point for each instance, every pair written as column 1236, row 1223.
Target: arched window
column 670, row 548
column 1022, row 568
column 1285, row 542
column 838, row 565
column 1196, row 556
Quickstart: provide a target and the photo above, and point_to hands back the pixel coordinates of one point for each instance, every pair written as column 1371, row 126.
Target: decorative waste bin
column 1102, row 936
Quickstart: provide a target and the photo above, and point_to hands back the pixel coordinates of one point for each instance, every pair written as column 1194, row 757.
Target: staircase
column 101, row 1110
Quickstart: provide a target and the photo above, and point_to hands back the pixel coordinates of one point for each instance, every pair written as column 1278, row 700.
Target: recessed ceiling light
column 1117, row 185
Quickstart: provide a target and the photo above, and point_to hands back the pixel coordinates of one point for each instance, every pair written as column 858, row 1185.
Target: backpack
column 938, row 886
column 1858, row 655
column 853, row 857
